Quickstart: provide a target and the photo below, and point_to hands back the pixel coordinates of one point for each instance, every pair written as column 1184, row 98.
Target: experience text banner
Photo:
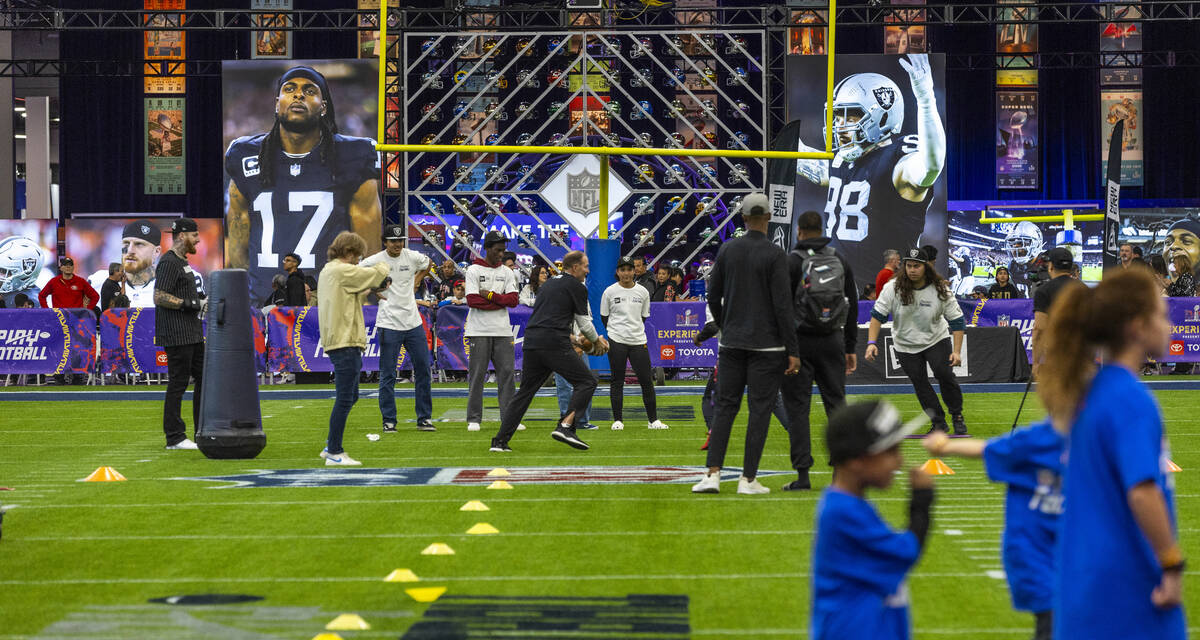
column 47, row 341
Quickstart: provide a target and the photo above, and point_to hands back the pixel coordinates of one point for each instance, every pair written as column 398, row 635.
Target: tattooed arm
column 237, row 238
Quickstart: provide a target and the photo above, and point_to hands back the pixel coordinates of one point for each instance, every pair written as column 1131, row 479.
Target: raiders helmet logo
column 250, row 166
column 885, row 97
column 145, row 230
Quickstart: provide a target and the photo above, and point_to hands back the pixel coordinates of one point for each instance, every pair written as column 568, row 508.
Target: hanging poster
column 909, row 35
column 1123, row 106
column 1125, row 32
column 164, row 173
column 1016, row 33
column 271, row 43
column 1016, row 140
column 805, row 40
column 161, row 45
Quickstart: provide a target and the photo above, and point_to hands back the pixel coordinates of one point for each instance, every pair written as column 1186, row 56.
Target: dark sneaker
column 425, row 425
column 960, row 426
column 799, row 484
column 938, row 426
column 500, row 447
column 589, row 427
column 568, row 437
column 389, row 427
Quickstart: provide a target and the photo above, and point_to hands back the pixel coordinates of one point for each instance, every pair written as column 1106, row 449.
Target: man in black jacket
column 562, row 303
column 750, row 302
column 294, row 289
column 827, row 357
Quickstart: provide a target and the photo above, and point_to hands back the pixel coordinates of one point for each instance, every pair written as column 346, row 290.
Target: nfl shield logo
column 296, row 169
column 583, row 192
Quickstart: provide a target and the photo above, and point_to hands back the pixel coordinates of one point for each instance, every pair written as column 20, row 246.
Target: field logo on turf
column 465, row 476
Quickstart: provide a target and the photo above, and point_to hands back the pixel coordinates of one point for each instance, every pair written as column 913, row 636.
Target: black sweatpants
column 822, row 360
column 638, row 355
column 183, row 362
column 938, row 359
column 537, row 366
column 757, row 374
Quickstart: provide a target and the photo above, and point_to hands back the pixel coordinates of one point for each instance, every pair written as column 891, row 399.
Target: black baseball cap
column 393, row 232
column 866, row 428
column 980, row 289
column 1060, row 257
column 183, row 225
column 1002, row 268
column 916, row 255
column 143, row 230
column 494, row 237
column 625, row 261
column 66, row 260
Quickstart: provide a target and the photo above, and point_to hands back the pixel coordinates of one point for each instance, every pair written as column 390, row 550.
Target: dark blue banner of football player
column 298, row 171
column 886, row 186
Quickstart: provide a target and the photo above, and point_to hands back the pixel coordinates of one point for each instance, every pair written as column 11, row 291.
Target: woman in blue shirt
column 1120, row 569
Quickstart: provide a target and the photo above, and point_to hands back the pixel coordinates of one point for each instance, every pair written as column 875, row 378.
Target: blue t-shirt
column 859, row 564
column 1107, row 569
column 1030, row 461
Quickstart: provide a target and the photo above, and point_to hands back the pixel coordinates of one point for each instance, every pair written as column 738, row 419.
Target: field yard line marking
column 462, row 579
column 324, row 536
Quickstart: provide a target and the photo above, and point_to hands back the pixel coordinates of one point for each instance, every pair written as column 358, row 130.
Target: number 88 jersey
column 864, row 213
column 306, row 206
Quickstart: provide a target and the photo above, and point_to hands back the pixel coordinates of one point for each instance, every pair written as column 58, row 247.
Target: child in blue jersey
column 859, row 562
column 1119, row 570
column 1030, row 461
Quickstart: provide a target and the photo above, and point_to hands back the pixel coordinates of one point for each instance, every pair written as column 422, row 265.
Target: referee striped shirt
column 176, row 327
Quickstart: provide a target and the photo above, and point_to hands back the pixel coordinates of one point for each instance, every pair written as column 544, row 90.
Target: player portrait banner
column 161, row 45
column 1124, row 107
column 274, row 41
column 127, row 342
column 1017, row 148
column 886, row 189
column 47, row 341
column 296, row 193
column 164, row 165
column 28, row 258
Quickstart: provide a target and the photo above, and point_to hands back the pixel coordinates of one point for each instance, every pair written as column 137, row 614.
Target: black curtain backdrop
column 102, row 133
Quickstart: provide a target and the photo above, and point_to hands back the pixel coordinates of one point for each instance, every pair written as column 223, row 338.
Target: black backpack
column 820, row 296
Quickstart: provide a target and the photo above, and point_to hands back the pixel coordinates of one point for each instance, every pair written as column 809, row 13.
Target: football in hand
column 586, row 345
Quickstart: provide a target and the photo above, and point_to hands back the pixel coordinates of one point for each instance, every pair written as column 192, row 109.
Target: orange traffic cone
column 936, row 467
column 104, row 474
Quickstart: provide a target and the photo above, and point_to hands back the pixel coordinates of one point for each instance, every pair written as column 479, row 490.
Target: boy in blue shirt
column 859, row 562
column 1030, row 462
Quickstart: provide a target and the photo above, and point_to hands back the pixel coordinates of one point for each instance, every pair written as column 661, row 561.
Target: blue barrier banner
column 453, row 351
column 48, row 341
column 127, row 342
column 294, row 340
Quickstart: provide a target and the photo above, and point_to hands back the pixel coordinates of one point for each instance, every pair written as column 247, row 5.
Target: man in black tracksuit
column 826, row 358
column 561, row 302
column 751, row 304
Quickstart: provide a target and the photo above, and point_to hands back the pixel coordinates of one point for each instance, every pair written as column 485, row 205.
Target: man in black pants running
column 827, row 347
column 547, row 349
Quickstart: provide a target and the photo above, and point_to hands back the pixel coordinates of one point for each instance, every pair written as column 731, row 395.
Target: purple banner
column 452, row 351
column 48, row 341
column 1184, row 314
column 669, row 333
column 1003, row 313
column 127, row 342
column 294, row 336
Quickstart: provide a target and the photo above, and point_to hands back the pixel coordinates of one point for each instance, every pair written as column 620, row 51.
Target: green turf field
column 83, row 560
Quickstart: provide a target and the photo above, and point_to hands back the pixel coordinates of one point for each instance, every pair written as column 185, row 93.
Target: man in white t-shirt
column 398, row 325
column 491, row 291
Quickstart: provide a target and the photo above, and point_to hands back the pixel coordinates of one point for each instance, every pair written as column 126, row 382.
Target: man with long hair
column 294, row 188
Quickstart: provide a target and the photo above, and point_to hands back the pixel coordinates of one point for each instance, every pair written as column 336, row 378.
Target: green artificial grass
column 83, row 559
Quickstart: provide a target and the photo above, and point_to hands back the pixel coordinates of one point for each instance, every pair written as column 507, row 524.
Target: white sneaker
column 520, row 427
column 657, row 424
column 472, row 426
column 183, row 445
column 710, row 484
column 751, row 487
column 618, row 425
column 339, row 460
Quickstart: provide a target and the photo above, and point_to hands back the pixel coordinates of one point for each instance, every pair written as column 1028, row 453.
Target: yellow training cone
column 348, row 622
column 474, row 505
column 482, row 528
column 104, row 474
column 498, row 473
column 327, row 636
column 425, row 594
column 402, row 575
column 1172, row 467
column 500, row 484
column 438, row 549
column 935, row 467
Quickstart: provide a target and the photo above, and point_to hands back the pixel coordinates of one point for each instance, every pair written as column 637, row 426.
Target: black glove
column 191, row 304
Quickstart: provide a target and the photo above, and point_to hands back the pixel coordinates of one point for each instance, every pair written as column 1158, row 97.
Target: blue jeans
column 347, row 364
column 413, row 340
column 564, row 390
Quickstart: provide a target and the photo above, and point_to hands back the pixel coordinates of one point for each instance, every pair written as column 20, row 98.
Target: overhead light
column 19, row 109
column 19, row 136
